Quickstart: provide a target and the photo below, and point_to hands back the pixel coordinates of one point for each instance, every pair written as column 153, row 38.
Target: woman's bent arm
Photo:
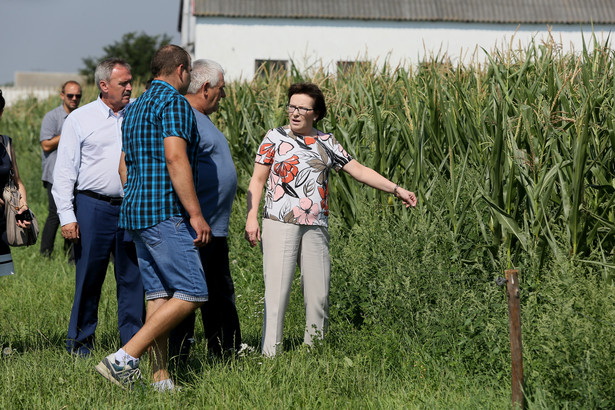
column 255, row 192
column 23, row 202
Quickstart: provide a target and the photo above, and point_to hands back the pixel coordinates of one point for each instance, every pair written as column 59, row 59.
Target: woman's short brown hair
column 313, row 91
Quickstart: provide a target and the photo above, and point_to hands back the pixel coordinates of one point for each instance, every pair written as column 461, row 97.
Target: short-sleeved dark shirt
column 149, row 197
column 5, row 163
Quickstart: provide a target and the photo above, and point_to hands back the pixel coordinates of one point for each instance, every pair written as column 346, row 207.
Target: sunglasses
column 71, row 96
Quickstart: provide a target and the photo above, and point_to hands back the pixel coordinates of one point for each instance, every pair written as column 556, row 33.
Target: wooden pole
column 514, row 320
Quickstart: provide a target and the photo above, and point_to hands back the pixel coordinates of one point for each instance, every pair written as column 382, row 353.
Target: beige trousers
column 284, row 246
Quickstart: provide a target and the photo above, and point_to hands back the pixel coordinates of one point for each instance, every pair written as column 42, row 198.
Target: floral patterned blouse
column 298, row 183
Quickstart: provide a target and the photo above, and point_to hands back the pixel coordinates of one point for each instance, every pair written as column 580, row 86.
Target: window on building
column 269, row 67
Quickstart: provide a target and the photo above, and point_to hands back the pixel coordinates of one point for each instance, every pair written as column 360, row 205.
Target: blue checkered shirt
column 149, row 197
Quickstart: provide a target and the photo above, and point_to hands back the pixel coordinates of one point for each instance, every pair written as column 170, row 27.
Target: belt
column 113, row 200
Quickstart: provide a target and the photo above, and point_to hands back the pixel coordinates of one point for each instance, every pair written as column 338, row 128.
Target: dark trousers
column 219, row 314
column 6, row 260
column 100, row 237
column 52, row 223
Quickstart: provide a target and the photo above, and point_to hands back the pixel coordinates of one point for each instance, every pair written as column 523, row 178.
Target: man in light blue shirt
column 86, row 171
column 216, row 190
column 51, row 129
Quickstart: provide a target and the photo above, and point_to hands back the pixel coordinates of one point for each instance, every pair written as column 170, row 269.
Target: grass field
column 408, row 330
column 514, row 166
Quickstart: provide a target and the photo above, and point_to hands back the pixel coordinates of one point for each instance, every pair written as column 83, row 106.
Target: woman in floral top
column 295, row 161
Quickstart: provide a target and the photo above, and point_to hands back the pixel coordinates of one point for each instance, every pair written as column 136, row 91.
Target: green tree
column 136, row 48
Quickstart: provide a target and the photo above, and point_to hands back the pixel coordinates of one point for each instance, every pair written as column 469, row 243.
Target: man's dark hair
column 313, row 91
column 168, row 58
column 2, row 102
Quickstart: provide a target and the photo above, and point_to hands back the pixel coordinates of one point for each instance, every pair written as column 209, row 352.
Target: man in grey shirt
column 51, row 130
column 216, row 189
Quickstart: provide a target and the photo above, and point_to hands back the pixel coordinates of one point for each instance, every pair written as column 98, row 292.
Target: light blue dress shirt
column 88, row 156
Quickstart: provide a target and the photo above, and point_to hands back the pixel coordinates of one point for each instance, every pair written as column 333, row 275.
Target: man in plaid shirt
column 162, row 213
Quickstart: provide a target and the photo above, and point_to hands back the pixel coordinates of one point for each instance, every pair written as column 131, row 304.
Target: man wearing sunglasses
column 50, row 138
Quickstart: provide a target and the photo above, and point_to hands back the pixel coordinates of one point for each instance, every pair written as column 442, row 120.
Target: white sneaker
column 166, row 386
column 245, row 349
column 123, row 376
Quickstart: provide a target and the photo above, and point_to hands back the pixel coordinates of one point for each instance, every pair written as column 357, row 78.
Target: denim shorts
column 169, row 262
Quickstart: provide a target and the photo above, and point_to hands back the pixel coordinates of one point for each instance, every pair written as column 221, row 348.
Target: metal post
column 514, row 320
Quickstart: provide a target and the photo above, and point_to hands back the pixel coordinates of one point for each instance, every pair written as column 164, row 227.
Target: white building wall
column 13, row 94
column 237, row 42
column 188, row 25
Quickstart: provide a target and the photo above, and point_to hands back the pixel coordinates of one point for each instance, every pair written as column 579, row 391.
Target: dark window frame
column 263, row 67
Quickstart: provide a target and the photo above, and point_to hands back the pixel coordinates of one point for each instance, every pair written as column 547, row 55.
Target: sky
column 55, row 35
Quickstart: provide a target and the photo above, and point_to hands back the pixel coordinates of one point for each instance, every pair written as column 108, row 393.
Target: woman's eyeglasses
column 302, row 110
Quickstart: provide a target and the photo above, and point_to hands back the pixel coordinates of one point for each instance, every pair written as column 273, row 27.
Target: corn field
column 513, row 164
column 525, row 142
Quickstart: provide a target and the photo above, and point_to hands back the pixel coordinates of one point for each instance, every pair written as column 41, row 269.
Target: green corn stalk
column 534, row 125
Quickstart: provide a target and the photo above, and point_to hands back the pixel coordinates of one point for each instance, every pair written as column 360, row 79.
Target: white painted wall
column 237, row 42
column 13, row 94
